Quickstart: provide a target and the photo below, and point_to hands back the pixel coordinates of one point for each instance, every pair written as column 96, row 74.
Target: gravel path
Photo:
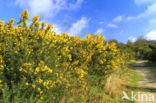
column 149, row 81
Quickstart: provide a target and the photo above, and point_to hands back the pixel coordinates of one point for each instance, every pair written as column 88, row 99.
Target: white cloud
column 118, row 19
column 151, row 35
column 139, row 2
column 57, row 29
column 130, row 18
column 48, row 7
column 111, row 25
column 150, row 11
column 133, row 39
column 152, row 21
column 78, row 26
column 99, row 31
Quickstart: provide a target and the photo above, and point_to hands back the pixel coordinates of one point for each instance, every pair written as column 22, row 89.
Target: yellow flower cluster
column 1, row 63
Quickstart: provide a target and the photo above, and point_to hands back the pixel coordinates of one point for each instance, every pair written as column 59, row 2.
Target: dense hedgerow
column 38, row 64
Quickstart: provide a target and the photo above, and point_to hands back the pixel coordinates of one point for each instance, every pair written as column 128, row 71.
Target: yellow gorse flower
column 25, row 14
column 26, row 83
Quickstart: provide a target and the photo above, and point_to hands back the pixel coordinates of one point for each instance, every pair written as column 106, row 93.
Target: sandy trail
column 149, row 80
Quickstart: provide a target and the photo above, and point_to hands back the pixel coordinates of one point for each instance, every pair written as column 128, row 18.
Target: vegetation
column 153, row 69
column 38, row 65
column 140, row 49
column 135, row 77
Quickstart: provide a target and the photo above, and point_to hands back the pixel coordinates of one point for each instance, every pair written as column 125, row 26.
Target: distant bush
column 152, row 55
column 142, row 49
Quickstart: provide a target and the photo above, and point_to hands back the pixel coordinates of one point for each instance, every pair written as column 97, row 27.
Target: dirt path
column 149, row 81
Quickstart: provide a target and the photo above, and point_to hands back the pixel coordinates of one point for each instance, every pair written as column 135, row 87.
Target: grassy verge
column 153, row 69
column 135, row 78
column 112, row 86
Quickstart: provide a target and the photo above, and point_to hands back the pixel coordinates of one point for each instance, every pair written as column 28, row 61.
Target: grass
column 120, row 78
column 110, row 90
column 153, row 69
column 135, row 78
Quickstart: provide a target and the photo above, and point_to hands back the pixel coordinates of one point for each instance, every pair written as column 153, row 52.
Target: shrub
column 46, row 66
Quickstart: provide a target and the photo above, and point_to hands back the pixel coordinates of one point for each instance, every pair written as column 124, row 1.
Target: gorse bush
column 38, row 65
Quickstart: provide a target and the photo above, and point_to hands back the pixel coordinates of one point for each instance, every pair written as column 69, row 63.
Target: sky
column 115, row 19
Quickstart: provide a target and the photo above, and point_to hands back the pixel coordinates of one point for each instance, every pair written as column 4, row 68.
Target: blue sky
column 115, row 19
